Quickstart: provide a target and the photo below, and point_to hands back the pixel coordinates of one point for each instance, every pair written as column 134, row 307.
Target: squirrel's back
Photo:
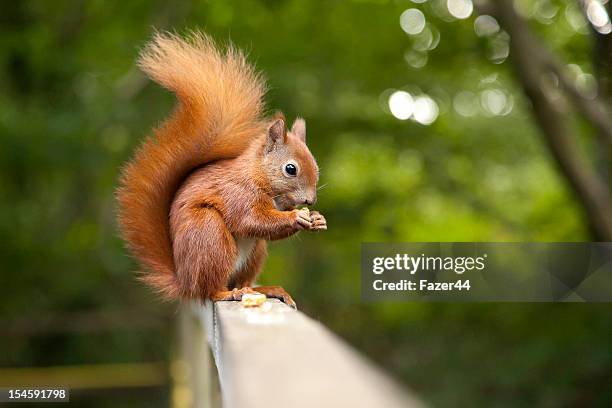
column 218, row 113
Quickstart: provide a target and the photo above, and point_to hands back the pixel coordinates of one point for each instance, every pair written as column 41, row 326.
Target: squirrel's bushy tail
column 219, row 109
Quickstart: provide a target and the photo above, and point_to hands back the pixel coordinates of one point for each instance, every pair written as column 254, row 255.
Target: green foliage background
column 73, row 108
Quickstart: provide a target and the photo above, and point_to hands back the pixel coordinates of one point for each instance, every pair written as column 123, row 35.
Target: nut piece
column 253, row 299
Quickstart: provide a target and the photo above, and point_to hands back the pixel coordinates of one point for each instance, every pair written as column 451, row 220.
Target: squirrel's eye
column 291, row 169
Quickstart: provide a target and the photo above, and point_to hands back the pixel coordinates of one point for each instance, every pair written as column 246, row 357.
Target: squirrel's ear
column 277, row 134
column 299, row 129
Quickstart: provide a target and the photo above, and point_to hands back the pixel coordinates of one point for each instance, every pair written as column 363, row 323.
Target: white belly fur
column 245, row 247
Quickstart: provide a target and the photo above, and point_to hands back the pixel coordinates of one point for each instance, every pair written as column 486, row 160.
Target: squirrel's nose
column 310, row 200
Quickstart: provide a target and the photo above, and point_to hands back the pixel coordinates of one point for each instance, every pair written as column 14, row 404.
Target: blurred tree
column 536, row 66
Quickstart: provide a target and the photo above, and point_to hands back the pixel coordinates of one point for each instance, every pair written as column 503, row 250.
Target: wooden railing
column 272, row 356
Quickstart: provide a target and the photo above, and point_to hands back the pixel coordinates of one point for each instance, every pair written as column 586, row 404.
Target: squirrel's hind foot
column 276, row 292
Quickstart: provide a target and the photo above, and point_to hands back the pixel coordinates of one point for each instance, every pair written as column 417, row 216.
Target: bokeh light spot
column 575, row 18
column 496, row 102
column 425, row 110
column 401, row 105
column 460, row 8
column 500, row 47
column 412, row 21
column 485, row 26
column 416, row 59
column 598, row 16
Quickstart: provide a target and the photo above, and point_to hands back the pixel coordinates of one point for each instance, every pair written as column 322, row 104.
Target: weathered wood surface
column 280, row 357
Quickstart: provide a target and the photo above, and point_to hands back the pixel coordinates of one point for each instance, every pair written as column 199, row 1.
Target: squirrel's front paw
column 302, row 219
column 318, row 221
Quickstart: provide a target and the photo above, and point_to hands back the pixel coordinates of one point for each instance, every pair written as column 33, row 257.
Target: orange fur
column 209, row 179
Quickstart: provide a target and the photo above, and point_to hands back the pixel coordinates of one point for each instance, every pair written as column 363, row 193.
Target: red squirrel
column 217, row 179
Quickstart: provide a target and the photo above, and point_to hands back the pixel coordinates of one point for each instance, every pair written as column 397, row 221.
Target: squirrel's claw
column 234, row 294
column 277, row 292
column 318, row 221
column 303, row 219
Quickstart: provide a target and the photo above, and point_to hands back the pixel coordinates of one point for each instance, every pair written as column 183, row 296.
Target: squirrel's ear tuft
column 299, row 129
column 277, row 134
